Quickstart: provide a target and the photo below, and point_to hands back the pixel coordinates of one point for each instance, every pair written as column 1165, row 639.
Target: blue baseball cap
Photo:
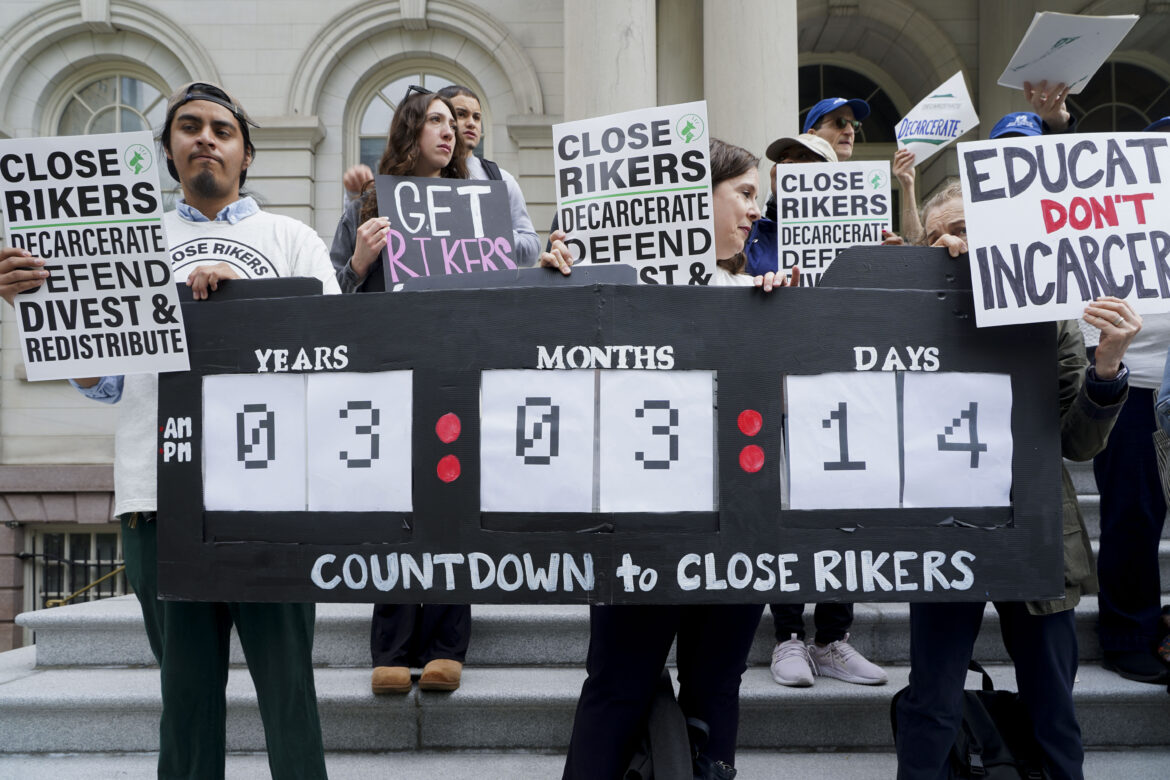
column 1162, row 124
column 1019, row 123
column 860, row 110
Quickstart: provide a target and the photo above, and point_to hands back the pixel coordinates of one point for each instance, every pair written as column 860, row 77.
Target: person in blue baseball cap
column 837, row 120
column 1162, row 125
column 1017, row 124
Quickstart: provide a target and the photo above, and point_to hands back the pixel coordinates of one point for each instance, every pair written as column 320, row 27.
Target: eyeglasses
column 842, row 123
column 413, row 88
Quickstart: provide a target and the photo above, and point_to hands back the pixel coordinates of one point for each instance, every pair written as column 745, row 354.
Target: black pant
column 628, row 646
column 1132, row 513
column 832, row 621
column 414, row 634
column 1044, row 651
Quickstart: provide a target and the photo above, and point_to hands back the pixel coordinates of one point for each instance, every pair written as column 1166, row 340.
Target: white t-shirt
column 260, row 246
column 724, row 278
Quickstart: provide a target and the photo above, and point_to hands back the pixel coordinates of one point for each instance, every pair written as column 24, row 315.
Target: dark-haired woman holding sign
column 628, row 645
column 422, row 142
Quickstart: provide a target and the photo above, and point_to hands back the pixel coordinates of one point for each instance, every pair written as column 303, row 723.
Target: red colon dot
column 750, row 422
column 448, row 468
column 448, row 428
column 751, row 459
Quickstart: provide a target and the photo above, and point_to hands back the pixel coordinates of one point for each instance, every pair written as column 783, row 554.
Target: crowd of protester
column 206, row 139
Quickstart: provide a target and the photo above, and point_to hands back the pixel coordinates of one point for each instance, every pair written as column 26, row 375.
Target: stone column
column 283, row 170
column 610, row 57
column 1002, row 24
column 749, row 72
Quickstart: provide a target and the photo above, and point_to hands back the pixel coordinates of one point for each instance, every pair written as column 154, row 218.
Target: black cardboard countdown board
column 742, row 528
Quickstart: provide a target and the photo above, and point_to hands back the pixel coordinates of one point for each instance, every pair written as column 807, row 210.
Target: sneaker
column 841, row 660
column 791, row 664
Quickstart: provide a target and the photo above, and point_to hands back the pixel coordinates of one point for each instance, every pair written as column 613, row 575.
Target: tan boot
column 441, row 674
column 390, row 679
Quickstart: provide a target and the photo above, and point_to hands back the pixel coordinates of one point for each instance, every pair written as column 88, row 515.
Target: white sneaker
column 791, row 664
column 841, row 660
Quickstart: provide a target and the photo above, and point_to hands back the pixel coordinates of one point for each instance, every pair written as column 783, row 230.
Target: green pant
column 190, row 641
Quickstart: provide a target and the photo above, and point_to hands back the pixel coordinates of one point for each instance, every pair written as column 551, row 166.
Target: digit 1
column 841, row 415
column 972, row 445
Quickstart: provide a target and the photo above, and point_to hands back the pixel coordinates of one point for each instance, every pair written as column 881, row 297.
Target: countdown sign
column 612, row 444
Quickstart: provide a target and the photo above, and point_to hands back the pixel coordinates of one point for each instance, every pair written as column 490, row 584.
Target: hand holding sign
column 1118, row 323
column 370, row 241
column 1049, row 104
column 208, row 277
column 558, row 256
column 19, row 271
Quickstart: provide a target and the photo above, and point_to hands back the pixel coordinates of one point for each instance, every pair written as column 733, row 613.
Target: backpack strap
column 491, row 169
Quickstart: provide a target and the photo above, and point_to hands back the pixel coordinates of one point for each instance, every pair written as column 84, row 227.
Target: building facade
column 322, row 80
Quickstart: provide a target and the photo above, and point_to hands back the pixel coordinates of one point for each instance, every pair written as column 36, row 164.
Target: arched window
column 1120, row 98
column 375, row 120
column 386, row 89
column 818, row 82
column 112, row 103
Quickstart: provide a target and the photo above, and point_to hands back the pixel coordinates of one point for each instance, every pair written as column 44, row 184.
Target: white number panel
column 843, row 441
column 536, row 441
column 657, row 441
column 254, row 442
column 359, row 441
column 958, row 439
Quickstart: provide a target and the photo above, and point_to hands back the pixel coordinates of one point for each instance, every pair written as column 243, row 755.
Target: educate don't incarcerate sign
column 91, row 207
column 1057, row 221
column 636, row 188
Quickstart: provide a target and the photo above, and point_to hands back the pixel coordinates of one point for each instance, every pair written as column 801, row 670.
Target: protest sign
column 91, row 207
column 442, row 226
column 1065, row 48
column 587, row 460
column 937, row 120
column 822, row 208
column 636, row 188
column 1053, row 222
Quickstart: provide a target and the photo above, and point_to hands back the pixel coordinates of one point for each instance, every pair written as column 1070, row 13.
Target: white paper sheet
column 843, row 441
column 254, row 442
column 536, row 441
column 657, row 441
column 91, row 207
column 958, row 439
column 1065, row 48
column 938, row 120
column 359, row 447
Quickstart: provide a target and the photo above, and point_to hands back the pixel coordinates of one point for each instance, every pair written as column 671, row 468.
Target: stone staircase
column 83, row 701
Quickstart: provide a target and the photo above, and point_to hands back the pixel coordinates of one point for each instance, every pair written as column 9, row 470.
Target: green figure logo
column 138, row 158
column 690, row 128
column 877, row 179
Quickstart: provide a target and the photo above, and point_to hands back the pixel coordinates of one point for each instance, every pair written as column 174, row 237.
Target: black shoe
column 1138, row 666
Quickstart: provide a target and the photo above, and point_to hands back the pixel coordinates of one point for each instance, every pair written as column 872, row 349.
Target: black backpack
column 995, row 740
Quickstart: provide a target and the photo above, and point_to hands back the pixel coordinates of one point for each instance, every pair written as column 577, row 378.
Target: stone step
column 117, row 710
column 1091, row 511
column 110, row 633
column 1138, row 764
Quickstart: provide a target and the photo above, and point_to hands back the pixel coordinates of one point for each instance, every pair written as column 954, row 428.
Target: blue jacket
column 761, row 248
